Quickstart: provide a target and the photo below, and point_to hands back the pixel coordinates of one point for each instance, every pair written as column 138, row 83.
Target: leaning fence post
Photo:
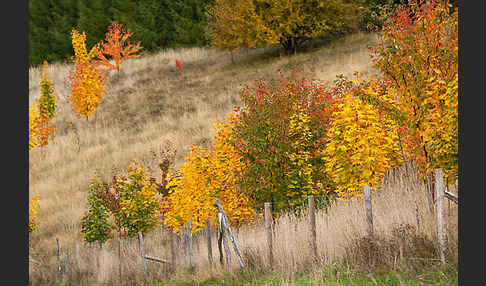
column 439, row 188
column 142, row 252
column 230, row 233
column 225, row 243
column 191, row 255
column 208, row 235
column 369, row 213
column 268, row 227
column 312, row 225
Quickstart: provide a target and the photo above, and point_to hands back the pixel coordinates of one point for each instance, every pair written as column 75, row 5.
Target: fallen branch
column 451, row 197
column 34, row 261
column 157, row 259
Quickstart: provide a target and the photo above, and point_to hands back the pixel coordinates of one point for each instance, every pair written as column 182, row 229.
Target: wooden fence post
column 208, row 236
column 225, row 244
column 58, row 254
column 191, row 255
column 369, row 212
column 441, row 234
column 312, row 226
column 66, row 262
column 430, row 193
column 183, row 240
column 230, row 233
column 220, row 237
column 142, row 252
column 119, row 258
column 78, row 257
column 268, row 227
column 173, row 252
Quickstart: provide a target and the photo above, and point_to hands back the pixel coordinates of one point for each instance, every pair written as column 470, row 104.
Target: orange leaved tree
column 418, row 54
column 117, row 46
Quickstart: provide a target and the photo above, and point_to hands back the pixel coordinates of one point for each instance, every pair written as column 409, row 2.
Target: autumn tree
column 87, row 81
column 34, row 117
column 280, row 128
column 47, row 104
column 250, row 23
column 236, row 24
column 362, row 141
column 33, row 126
column 127, row 205
column 418, row 55
column 205, row 176
column 117, row 47
column 33, row 205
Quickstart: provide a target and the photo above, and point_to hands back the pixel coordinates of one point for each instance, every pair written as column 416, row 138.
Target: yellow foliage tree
column 236, row 24
column 249, row 23
column 205, row 176
column 32, row 214
column 301, row 168
column 87, row 82
column 362, row 144
column 440, row 126
column 33, row 126
column 47, row 104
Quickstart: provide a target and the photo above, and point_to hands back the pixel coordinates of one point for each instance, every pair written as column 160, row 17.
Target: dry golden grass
column 151, row 106
column 337, row 231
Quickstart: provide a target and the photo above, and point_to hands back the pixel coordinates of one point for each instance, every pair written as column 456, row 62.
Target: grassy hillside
column 150, row 106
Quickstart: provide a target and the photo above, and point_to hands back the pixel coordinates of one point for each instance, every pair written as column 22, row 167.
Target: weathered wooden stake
column 417, row 214
column 208, row 236
column 183, row 240
column 58, row 254
column 173, row 252
column 230, row 233
column 369, row 212
column 220, row 237
column 119, row 259
column 430, row 193
column 78, row 257
column 66, row 262
column 441, row 234
column 142, row 252
column 312, row 226
column 268, row 227
column 191, row 254
column 225, row 244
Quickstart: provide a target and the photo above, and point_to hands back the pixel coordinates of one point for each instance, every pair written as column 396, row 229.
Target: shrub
column 279, row 131
column 128, row 205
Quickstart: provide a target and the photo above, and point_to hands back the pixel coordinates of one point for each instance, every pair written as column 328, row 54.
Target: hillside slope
column 149, row 106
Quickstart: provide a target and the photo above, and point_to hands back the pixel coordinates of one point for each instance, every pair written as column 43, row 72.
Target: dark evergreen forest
column 157, row 24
